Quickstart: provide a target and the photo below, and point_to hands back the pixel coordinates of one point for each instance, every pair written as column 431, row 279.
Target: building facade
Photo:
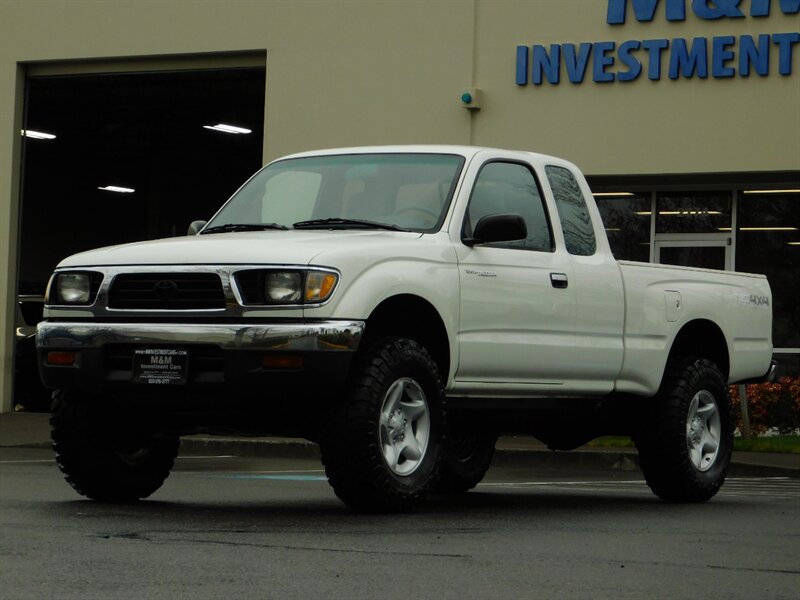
column 685, row 114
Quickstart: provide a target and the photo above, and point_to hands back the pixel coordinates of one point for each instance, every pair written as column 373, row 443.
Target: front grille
column 166, row 291
column 251, row 286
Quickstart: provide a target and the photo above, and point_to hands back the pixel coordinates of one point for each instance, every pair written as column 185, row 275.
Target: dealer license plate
column 160, row 366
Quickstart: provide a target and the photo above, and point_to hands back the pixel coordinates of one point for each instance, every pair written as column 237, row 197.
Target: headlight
column 72, row 288
column 285, row 287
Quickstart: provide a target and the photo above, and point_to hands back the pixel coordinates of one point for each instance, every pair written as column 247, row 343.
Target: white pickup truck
column 401, row 306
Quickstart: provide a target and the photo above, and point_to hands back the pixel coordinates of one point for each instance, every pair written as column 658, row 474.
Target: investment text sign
column 718, row 57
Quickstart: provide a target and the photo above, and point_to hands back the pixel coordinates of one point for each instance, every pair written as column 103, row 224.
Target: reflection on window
column 301, row 186
column 627, row 223
column 408, row 191
column 693, row 212
column 768, row 241
column 575, row 221
column 510, row 188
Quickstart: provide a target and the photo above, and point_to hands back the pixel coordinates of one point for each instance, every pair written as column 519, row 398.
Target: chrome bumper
column 318, row 336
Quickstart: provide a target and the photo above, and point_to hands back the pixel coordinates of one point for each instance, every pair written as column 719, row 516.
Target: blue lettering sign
column 547, row 65
column 699, row 57
column 721, row 55
column 687, row 63
column 761, row 8
column 786, row 42
column 717, row 9
column 749, row 55
column 626, row 58
column 654, row 48
column 645, row 10
column 522, row 65
column 576, row 61
column 602, row 61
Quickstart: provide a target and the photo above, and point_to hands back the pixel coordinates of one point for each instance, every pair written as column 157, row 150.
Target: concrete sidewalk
column 32, row 430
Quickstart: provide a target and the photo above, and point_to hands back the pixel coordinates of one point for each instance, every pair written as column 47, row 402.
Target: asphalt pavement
column 32, row 430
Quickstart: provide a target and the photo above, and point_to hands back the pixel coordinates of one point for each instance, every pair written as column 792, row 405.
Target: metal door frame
column 696, row 241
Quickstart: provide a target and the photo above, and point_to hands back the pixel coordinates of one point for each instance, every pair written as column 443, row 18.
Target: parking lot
column 272, row 528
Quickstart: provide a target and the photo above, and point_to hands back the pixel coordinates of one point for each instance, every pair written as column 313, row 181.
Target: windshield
column 409, row 192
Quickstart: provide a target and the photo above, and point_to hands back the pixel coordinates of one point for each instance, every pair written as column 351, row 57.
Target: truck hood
column 259, row 247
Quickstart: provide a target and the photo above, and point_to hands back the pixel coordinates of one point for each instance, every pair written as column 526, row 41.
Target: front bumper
column 227, row 357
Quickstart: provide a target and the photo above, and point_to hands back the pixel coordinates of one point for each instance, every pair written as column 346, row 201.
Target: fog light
column 61, row 359
column 281, row 361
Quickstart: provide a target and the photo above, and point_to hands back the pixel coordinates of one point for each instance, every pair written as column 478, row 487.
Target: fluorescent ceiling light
column 38, row 135
column 679, row 213
column 227, row 128
column 771, row 192
column 793, row 243
column 116, row 188
column 767, row 228
column 612, row 194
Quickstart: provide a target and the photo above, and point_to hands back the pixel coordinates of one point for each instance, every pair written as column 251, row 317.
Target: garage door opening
column 117, row 158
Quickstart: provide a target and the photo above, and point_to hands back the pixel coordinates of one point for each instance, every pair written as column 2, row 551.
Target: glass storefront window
column 768, row 241
column 693, row 212
column 627, row 222
column 704, row 257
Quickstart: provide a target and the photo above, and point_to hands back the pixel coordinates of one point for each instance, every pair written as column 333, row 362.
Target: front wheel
column 382, row 444
column 685, row 447
column 105, row 456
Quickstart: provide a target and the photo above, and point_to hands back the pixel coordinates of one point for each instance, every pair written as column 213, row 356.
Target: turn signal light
column 61, row 359
column 281, row 361
column 319, row 285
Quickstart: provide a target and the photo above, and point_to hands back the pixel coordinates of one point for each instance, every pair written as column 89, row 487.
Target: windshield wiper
column 344, row 223
column 243, row 227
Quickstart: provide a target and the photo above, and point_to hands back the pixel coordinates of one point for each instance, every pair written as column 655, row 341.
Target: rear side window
column 503, row 188
column 573, row 212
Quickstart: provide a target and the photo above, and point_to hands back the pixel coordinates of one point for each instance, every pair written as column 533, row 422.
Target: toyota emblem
column 165, row 289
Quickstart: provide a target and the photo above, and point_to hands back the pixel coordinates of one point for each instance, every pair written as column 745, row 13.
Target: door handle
column 559, row 280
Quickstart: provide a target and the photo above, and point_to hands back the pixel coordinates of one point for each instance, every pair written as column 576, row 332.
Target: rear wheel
column 686, row 445
column 382, row 444
column 105, row 456
column 467, row 457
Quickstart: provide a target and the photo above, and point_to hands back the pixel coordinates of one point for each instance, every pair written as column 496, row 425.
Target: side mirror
column 195, row 227
column 498, row 228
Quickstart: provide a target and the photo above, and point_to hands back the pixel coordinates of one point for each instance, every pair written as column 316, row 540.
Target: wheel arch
column 702, row 338
column 413, row 317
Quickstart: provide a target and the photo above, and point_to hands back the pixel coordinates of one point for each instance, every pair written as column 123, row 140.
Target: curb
column 621, row 460
column 511, row 452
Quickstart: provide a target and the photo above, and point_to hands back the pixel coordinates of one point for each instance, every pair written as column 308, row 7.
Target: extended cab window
column 510, row 188
column 573, row 212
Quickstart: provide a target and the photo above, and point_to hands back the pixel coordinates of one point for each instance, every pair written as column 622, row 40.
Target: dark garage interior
column 155, row 133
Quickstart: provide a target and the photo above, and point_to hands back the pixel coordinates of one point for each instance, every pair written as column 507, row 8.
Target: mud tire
column 105, row 457
column 685, row 446
column 382, row 443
